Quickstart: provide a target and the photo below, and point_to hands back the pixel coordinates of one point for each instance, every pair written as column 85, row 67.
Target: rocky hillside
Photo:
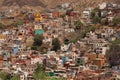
column 79, row 4
column 23, row 3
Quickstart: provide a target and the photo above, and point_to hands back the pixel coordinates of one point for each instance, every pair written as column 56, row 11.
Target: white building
column 101, row 50
column 86, row 14
column 103, row 5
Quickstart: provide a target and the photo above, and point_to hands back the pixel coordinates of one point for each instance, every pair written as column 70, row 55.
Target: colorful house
column 56, row 14
column 2, row 37
column 39, row 26
column 39, row 32
column 15, row 50
column 99, row 62
column 44, row 16
column 38, row 17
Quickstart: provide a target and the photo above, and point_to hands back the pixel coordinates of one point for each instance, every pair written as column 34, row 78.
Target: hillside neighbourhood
column 60, row 43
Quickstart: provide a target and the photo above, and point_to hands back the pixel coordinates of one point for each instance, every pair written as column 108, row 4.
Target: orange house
column 91, row 56
column 99, row 62
column 13, row 59
column 94, row 56
column 1, row 62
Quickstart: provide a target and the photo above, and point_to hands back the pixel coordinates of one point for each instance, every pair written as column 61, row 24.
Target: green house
column 39, row 32
column 51, row 73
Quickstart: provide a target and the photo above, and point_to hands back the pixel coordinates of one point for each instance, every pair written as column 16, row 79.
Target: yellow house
column 2, row 37
column 38, row 17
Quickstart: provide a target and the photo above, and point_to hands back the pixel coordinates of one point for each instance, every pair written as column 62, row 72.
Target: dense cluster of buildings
column 108, row 11
column 82, row 60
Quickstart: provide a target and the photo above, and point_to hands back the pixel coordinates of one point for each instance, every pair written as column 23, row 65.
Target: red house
column 56, row 14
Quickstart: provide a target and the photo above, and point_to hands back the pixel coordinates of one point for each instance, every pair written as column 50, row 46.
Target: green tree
column 4, row 76
column 96, row 15
column 59, row 6
column 40, row 67
column 78, row 24
column 113, row 54
column 18, row 22
column 79, row 62
column 96, row 19
column 2, row 25
column 40, row 76
column 63, row 15
column 69, row 11
column 66, row 41
column 44, row 48
column 104, row 22
column 52, row 78
column 95, row 12
column 116, row 42
column 39, row 73
column 116, row 21
column 38, row 40
column 56, row 44
column 87, row 29
column 15, row 77
column 34, row 48
column 35, row 52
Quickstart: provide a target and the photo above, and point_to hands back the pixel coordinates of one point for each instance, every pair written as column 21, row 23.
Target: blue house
column 15, row 50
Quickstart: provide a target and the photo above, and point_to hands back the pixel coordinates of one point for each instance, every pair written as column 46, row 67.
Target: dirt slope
column 79, row 4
